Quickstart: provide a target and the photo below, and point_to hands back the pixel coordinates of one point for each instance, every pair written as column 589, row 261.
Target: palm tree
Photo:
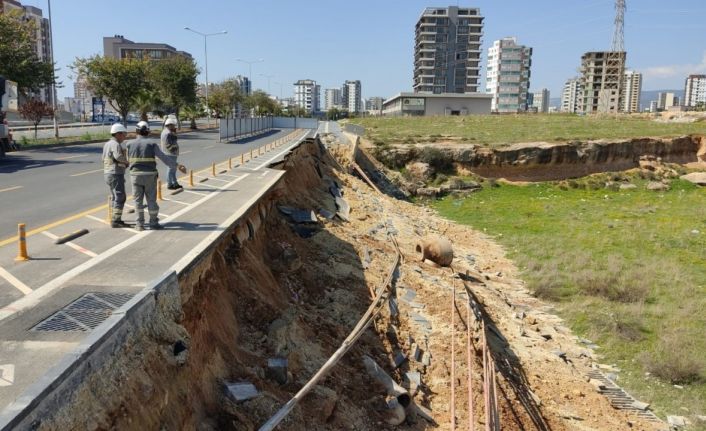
column 192, row 112
column 146, row 101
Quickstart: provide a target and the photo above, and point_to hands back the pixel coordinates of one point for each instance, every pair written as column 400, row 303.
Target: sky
column 331, row 41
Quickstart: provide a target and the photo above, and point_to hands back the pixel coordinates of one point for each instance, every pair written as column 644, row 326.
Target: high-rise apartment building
column 42, row 37
column 540, row 101
column 508, row 75
column 332, row 99
column 119, row 47
column 306, row 95
column 666, row 100
column 572, row 96
column 632, row 89
column 603, row 74
column 352, row 96
column 447, row 50
column 695, row 91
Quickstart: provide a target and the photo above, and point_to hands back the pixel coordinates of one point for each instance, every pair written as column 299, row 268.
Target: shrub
column 675, row 359
column 436, row 159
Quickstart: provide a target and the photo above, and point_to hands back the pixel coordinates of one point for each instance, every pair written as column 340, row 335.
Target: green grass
column 625, row 269
column 505, row 129
column 25, row 142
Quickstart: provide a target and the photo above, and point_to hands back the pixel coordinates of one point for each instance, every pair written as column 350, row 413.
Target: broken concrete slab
column 676, row 421
column 399, row 359
column 328, row 215
column 277, row 370
column 242, row 391
column 639, row 405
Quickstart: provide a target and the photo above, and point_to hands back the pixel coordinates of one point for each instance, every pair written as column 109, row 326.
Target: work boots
column 119, row 224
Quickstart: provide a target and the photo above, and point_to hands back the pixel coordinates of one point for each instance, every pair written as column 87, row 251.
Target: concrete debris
column 305, row 231
column 698, row 178
column 426, row 358
column 344, row 209
column 328, row 215
column 676, row 421
column 241, row 391
column 399, row 359
column 408, row 295
column 277, row 370
column 613, row 377
column 394, row 308
column 639, row 405
column 417, row 353
column 298, row 215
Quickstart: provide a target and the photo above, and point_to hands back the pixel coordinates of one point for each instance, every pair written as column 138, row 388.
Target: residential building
column 666, row 100
column 373, row 105
column 352, row 97
column 119, row 47
column 447, row 50
column 245, row 87
column 572, row 96
column 632, row 88
column 695, row 91
column 332, row 99
column 42, row 38
column 653, row 106
column 508, row 75
column 603, row 74
column 540, row 101
column 427, row 104
column 306, row 95
column 83, row 95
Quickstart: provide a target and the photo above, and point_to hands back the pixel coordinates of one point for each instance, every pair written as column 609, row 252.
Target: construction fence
column 237, row 128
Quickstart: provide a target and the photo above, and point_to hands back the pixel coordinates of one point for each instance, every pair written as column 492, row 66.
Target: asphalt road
column 38, row 187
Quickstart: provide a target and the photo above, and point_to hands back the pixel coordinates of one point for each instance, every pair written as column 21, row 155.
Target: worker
column 143, row 153
column 170, row 146
column 114, row 165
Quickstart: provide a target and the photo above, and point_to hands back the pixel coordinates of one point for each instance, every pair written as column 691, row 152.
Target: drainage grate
column 620, row 399
column 85, row 313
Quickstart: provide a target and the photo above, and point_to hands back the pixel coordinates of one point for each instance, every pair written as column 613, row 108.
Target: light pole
column 250, row 63
column 53, row 74
column 268, row 81
column 205, row 54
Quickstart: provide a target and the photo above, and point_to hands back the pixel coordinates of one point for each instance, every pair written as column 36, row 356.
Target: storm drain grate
column 620, row 399
column 85, row 313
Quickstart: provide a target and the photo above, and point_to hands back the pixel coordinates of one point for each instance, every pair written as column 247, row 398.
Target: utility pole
column 53, row 72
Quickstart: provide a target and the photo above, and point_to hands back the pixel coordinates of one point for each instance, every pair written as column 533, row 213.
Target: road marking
column 71, row 157
column 36, row 165
column 57, row 282
column 210, row 146
column 185, row 152
column 196, row 193
column 87, row 172
column 15, row 282
column 9, row 189
column 178, row 202
column 100, row 220
column 53, row 224
column 71, row 244
column 264, row 173
column 286, row 150
column 7, row 374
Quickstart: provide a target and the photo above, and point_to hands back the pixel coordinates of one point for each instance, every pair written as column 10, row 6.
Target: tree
column 118, row 80
column 18, row 61
column 192, row 112
column 333, row 114
column 174, row 79
column 224, row 97
column 147, row 101
column 35, row 110
column 261, row 103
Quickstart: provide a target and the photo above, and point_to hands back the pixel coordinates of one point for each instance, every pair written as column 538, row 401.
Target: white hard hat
column 117, row 128
column 143, row 125
column 170, row 121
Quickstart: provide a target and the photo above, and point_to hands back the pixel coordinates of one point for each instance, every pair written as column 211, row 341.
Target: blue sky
column 331, row 41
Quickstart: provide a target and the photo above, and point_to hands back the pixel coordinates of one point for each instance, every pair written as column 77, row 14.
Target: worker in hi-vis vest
column 143, row 153
column 114, row 165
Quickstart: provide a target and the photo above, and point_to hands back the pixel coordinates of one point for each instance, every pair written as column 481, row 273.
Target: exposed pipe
column 401, row 398
column 437, row 249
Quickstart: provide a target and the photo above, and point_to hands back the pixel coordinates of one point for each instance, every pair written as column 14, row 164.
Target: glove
column 182, row 169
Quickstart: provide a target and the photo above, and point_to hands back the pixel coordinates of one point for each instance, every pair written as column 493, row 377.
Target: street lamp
column 250, row 63
column 268, row 81
column 53, row 74
column 205, row 54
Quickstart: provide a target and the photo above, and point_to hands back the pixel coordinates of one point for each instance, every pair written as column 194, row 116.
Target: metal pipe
column 453, row 355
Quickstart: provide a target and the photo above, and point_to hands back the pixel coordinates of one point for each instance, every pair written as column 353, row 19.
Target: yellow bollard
column 230, row 163
column 191, row 177
column 213, row 169
column 242, row 158
column 21, row 244
column 159, row 190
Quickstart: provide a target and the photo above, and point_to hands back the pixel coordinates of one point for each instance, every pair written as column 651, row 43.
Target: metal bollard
column 242, row 158
column 21, row 244
column 159, row 190
column 191, row 177
column 213, row 169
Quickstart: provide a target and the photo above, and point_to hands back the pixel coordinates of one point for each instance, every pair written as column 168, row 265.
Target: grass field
column 505, row 129
column 626, row 269
column 25, row 142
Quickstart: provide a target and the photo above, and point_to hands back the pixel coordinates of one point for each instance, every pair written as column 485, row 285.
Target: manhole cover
column 85, row 313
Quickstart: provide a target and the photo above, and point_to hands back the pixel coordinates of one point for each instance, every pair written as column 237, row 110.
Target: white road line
column 47, row 288
column 285, row 151
column 185, row 152
column 9, row 189
column 86, row 173
column 71, row 244
column 100, row 220
column 223, row 175
column 264, row 173
column 210, row 146
column 176, row 201
column 196, row 193
column 15, row 282
column 71, row 157
column 36, row 165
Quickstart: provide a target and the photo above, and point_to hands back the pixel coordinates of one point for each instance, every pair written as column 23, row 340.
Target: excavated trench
column 541, row 161
column 275, row 289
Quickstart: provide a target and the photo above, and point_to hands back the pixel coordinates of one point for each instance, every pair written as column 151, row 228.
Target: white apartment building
column 352, row 96
column 540, row 101
column 572, row 95
column 666, row 100
column 695, row 91
column 306, row 95
column 332, row 99
column 632, row 88
column 508, row 75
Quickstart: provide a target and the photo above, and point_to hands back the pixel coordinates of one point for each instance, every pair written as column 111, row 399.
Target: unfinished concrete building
column 602, row 76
